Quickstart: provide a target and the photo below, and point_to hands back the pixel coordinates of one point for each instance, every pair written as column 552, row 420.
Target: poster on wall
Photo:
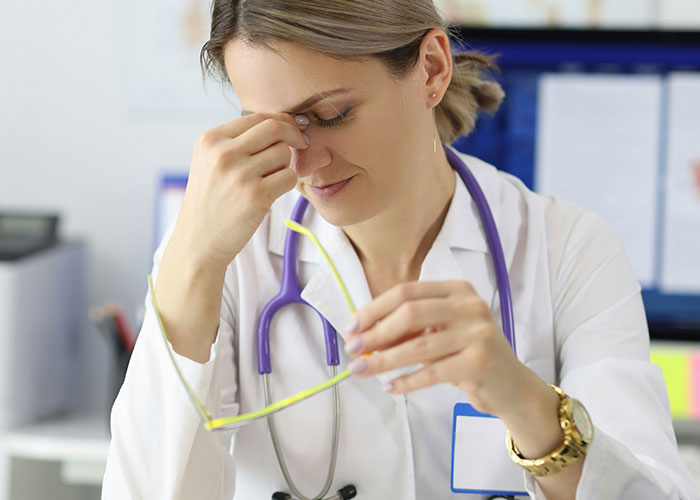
column 681, row 239
column 162, row 43
column 596, row 133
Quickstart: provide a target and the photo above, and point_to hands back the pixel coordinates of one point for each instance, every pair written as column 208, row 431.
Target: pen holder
column 110, row 320
column 120, row 362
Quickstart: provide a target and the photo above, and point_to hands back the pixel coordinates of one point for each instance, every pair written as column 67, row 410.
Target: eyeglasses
column 215, row 424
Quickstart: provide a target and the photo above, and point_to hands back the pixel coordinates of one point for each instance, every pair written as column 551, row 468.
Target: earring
column 434, row 141
column 434, row 95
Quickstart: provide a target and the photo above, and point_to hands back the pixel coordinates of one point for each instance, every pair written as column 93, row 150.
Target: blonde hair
column 389, row 30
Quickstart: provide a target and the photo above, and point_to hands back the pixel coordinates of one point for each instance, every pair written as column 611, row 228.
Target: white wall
column 71, row 139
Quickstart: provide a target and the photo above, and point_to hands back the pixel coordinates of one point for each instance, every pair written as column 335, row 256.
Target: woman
column 350, row 102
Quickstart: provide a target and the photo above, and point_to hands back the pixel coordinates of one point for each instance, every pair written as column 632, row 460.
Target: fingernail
column 357, row 366
column 301, row 119
column 306, row 138
column 389, row 387
column 352, row 325
column 354, row 345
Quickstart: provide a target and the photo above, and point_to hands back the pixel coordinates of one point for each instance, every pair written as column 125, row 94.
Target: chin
column 345, row 208
column 342, row 215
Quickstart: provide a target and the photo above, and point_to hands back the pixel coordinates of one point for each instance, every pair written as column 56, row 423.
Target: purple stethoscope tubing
column 290, row 293
column 494, row 241
column 290, row 289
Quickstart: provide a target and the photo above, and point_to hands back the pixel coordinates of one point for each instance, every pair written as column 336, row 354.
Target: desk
column 78, row 444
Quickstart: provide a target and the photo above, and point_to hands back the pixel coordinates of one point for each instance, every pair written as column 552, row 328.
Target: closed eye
column 337, row 120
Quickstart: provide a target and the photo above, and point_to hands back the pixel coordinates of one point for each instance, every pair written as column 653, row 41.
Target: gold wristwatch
column 578, row 434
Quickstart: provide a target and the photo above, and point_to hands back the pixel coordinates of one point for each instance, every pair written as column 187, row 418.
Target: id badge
column 480, row 461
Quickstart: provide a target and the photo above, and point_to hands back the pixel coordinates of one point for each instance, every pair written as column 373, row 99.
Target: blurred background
column 100, row 105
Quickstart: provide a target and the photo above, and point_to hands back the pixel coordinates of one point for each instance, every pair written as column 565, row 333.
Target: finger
column 409, row 319
column 302, row 121
column 236, row 127
column 445, row 370
column 424, row 348
column 270, row 160
column 280, row 182
column 392, row 298
column 270, row 131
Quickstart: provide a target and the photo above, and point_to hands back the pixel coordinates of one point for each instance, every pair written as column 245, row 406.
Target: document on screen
column 680, row 270
column 598, row 145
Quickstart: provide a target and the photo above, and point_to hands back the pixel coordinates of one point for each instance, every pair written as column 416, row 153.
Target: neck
column 392, row 245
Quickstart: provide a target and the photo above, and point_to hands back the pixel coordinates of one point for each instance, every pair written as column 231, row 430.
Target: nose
column 306, row 161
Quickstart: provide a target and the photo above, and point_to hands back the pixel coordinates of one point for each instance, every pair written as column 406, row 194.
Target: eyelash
column 333, row 121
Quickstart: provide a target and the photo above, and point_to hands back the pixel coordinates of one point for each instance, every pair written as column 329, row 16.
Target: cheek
column 381, row 144
column 397, row 146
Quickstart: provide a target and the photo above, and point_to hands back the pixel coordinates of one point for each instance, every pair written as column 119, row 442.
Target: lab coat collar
column 462, row 228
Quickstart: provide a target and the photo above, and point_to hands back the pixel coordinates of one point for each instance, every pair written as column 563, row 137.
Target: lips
column 327, row 184
column 327, row 190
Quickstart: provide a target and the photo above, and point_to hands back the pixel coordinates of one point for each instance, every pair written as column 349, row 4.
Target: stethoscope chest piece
column 344, row 493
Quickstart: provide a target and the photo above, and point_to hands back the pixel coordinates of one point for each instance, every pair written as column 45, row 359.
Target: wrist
column 188, row 293
column 577, row 429
column 539, row 405
column 182, row 248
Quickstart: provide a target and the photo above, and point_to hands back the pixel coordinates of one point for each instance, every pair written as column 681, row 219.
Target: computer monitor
column 558, row 131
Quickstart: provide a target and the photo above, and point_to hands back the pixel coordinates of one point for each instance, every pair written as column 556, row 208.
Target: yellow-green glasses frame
column 214, row 424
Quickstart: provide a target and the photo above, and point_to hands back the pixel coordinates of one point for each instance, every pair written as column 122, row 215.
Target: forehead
column 280, row 77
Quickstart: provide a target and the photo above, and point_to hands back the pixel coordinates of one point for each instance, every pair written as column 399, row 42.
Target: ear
column 435, row 64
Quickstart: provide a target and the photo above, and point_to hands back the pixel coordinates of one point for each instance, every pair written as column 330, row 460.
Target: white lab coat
column 579, row 323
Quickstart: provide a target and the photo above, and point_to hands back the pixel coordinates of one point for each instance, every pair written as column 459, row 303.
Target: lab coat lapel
column 460, row 231
column 323, row 291
column 509, row 213
column 460, row 251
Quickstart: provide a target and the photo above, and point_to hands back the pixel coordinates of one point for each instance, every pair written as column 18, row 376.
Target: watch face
column 582, row 420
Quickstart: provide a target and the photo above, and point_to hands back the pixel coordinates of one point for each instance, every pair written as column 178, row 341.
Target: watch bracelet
column 556, row 460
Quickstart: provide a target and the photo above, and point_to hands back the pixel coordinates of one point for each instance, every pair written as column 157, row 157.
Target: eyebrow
column 306, row 104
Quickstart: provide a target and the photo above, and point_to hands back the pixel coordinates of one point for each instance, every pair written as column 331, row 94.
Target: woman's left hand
column 448, row 328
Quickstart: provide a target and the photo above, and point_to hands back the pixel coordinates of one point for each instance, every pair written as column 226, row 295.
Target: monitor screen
column 609, row 120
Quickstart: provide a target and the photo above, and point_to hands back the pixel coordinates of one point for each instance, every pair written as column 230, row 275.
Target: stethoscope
column 290, row 293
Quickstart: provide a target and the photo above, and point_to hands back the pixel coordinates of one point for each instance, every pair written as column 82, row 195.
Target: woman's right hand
column 238, row 170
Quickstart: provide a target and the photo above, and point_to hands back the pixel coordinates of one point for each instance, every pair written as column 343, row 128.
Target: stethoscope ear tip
column 280, row 495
